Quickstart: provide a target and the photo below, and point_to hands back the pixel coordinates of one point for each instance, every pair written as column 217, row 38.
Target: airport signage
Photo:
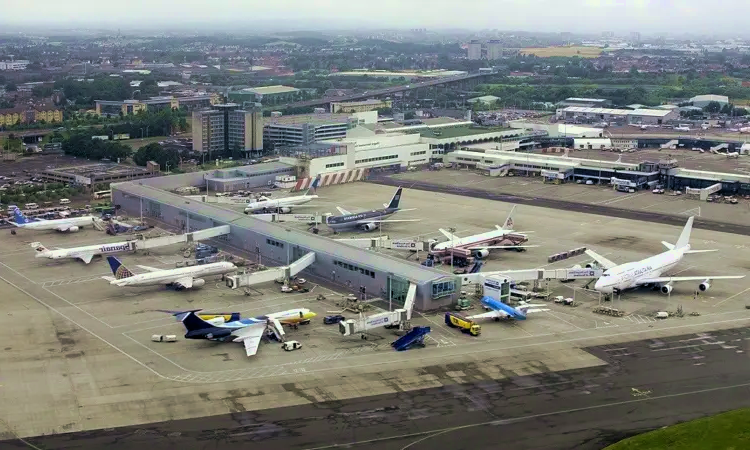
column 377, row 321
column 581, row 273
column 406, row 245
column 124, row 247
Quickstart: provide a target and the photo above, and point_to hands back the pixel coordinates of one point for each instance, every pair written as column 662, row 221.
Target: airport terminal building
column 274, row 244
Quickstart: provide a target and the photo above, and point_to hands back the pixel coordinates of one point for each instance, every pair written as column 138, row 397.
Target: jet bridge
column 208, row 233
column 385, row 242
column 272, row 274
column 398, row 318
column 311, row 219
column 534, row 275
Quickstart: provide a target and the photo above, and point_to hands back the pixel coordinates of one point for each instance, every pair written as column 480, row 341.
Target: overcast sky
column 647, row 16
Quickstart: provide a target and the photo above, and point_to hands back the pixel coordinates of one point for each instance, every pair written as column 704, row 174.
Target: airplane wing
column 448, row 234
column 489, row 315
column 86, row 257
column 250, row 336
column 602, row 261
column 343, row 211
column 150, row 269
column 691, row 278
column 185, row 282
column 108, row 278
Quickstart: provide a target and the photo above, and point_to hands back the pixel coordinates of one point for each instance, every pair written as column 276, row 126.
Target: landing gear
column 13, row 232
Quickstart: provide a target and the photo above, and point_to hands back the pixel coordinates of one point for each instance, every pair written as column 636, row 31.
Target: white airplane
column 180, row 278
column 648, row 272
column 249, row 331
column 69, row 224
column 744, row 130
column 480, row 244
column 682, row 128
column 85, row 253
column 283, row 205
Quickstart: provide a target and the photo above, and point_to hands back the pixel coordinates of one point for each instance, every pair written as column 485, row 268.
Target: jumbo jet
column 648, row 272
column 69, row 224
column 282, row 205
column 85, row 254
column 249, row 331
column 368, row 220
column 480, row 244
column 180, row 278
column 500, row 311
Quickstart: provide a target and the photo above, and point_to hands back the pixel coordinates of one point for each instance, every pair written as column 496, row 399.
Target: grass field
column 545, row 52
column 728, row 431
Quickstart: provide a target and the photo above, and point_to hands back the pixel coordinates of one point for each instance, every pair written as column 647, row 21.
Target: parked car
column 332, row 320
column 291, row 345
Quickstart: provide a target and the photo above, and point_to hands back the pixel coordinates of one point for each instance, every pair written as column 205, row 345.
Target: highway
column 643, row 385
column 379, row 92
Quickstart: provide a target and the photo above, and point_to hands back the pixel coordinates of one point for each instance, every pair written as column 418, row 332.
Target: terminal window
column 443, row 288
column 354, row 268
column 328, row 166
column 274, row 243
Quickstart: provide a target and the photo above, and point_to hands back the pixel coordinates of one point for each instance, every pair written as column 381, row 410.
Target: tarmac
column 78, row 354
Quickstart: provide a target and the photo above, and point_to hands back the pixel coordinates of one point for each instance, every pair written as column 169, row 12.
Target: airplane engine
column 704, row 286
column 482, row 253
column 218, row 333
column 73, row 229
column 285, row 210
column 590, row 265
column 198, row 282
column 666, row 289
column 370, row 226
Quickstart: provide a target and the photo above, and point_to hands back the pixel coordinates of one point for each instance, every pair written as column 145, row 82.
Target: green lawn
column 728, row 431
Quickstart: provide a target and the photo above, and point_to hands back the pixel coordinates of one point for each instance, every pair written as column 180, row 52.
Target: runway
column 589, row 208
column 644, row 385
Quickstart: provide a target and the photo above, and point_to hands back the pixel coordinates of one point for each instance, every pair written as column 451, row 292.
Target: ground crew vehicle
column 454, row 320
column 291, row 345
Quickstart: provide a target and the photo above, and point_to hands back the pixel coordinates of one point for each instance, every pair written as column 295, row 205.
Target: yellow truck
column 454, row 320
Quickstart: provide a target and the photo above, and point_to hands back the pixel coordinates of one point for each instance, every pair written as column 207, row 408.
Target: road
column 644, row 385
column 603, row 210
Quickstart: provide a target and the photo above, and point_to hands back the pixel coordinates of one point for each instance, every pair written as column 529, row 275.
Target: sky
column 645, row 16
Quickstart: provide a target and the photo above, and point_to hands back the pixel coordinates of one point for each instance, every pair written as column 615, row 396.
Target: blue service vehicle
column 332, row 320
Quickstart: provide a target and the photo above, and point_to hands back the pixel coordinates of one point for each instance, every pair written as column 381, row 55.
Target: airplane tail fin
column 118, row 269
column 393, row 204
column 508, row 224
column 192, row 322
column 20, row 218
column 40, row 249
column 684, row 240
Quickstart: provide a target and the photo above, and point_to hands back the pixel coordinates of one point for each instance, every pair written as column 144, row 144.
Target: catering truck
column 454, row 320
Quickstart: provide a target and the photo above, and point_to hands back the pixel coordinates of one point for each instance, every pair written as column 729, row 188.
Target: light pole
column 452, row 230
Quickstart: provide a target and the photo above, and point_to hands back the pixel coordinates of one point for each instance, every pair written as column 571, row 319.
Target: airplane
column 69, row 224
column 481, row 244
column 180, row 278
column 368, row 220
column 648, row 272
column 682, row 128
column 249, row 331
column 85, row 254
column 743, row 130
column 282, row 205
column 499, row 310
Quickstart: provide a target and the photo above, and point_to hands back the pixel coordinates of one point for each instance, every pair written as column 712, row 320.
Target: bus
column 102, row 194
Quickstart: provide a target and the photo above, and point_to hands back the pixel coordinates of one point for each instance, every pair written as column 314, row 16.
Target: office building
column 47, row 113
column 304, row 129
column 189, row 103
column 14, row 65
column 494, row 50
column 475, row 50
column 226, row 128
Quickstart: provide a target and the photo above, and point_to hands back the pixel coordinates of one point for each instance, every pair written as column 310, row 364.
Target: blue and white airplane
column 69, row 224
column 249, row 331
column 500, row 311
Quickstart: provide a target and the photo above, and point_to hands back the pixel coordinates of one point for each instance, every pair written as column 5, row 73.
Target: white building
column 494, row 50
column 701, row 101
column 475, row 50
column 14, row 65
column 643, row 116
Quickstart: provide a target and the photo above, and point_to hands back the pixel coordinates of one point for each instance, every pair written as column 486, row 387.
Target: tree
column 712, row 107
column 410, row 115
column 11, row 87
column 727, row 108
column 157, row 153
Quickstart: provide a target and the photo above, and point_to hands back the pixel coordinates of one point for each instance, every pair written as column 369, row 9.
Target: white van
column 31, row 206
column 64, row 201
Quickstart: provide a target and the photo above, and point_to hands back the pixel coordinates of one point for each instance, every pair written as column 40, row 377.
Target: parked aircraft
column 481, row 244
column 69, row 224
column 648, row 272
column 368, row 220
column 180, row 278
column 282, row 205
column 85, row 253
column 248, row 331
column 499, row 310
column 682, row 128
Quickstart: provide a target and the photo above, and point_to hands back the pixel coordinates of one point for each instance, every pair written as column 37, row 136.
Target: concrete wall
column 243, row 238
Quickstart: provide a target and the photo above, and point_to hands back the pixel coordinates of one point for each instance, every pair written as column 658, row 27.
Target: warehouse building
column 361, row 106
column 701, row 101
column 268, row 95
column 637, row 116
column 349, row 268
